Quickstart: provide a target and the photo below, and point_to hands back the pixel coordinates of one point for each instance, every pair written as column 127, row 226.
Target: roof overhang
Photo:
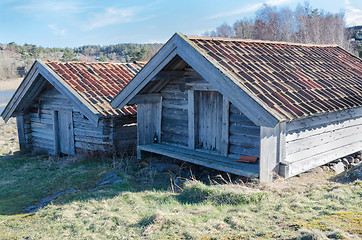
column 36, row 79
column 210, row 70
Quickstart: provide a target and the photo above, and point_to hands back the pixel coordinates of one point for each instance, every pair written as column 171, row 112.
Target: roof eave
column 41, row 68
column 86, row 108
column 207, row 68
column 152, row 67
column 245, row 100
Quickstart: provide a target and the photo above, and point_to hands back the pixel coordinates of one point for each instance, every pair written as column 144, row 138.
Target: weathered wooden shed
column 64, row 108
column 212, row 100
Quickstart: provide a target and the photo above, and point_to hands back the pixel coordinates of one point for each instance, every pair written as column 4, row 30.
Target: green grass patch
column 198, row 192
column 25, row 180
column 145, row 206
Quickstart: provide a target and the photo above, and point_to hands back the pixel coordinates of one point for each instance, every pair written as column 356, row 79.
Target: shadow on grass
column 25, row 180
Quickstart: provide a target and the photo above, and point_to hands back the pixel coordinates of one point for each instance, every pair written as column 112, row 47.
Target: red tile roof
column 98, row 83
column 293, row 80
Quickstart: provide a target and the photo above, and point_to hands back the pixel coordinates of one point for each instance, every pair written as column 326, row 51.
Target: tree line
column 304, row 24
column 15, row 59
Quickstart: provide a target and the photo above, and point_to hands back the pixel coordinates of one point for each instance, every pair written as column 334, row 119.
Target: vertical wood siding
column 209, row 120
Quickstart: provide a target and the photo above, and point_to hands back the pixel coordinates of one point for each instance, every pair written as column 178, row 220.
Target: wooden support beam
column 146, row 98
column 168, row 75
column 282, row 141
column 21, row 133
column 269, row 156
column 56, row 132
column 191, row 119
column 225, row 127
column 201, row 86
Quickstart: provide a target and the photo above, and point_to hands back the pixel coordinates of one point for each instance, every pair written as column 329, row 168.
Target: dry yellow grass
column 143, row 205
column 10, row 84
column 8, row 136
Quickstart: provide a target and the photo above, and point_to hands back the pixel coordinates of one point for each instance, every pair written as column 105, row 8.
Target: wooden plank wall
column 209, row 120
column 244, row 135
column 87, row 135
column 314, row 141
column 148, row 122
column 125, row 134
column 41, row 120
column 174, row 123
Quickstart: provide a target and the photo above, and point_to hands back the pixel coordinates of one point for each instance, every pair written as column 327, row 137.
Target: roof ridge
column 258, row 41
column 90, row 63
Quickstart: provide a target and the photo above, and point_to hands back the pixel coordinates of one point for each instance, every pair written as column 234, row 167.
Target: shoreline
column 10, row 84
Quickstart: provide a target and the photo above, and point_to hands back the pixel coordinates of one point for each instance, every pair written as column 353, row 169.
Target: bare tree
column 304, row 25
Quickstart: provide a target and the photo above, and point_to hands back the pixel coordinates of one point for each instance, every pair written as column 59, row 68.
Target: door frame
column 192, row 118
column 57, row 150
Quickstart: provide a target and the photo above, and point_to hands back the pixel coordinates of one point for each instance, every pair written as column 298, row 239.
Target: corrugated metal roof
column 293, row 80
column 98, row 83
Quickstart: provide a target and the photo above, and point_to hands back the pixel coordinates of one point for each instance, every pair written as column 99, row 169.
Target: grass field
column 147, row 204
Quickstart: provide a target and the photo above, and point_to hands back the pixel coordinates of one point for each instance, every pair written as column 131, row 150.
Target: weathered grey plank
column 245, row 141
column 325, row 138
column 174, row 127
column 21, row 133
column 175, row 95
column 191, row 120
column 175, row 138
column 320, row 158
column 146, row 98
column 175, row 114
column 269, row 155
column 56, row 133
column 201, row 158
column 252, row 131
column 327, row 118
column 323, row 129
column 225, row 127
column 323, row 148
column 243, row 150
column 175, row 103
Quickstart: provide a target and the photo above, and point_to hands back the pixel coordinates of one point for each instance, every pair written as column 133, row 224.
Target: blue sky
column 72, row 23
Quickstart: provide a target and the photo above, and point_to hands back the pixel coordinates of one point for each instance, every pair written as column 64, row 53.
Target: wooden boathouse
column 64, row 108
column 221, row 102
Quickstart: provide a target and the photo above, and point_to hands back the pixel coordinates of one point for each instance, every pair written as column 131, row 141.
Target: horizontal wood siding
column 314, row 141
column 244, row 135
column 90, row 137
column 41, row 119
column 125, row 134
column 174, row 124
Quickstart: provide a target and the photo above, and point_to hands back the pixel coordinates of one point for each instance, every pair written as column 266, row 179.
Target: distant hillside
column 15, row 60
column 353, row 30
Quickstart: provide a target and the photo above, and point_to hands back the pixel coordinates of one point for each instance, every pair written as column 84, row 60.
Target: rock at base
column 338, row 168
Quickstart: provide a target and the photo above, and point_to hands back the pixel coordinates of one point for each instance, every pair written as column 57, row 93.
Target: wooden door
column 64, row 132
column 148, row 122
column 208, row 116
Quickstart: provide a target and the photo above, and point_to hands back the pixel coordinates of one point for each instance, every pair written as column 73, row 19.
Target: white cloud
column 353, row 14
column 57, row 31
column 249, row 8
column 114, row 16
